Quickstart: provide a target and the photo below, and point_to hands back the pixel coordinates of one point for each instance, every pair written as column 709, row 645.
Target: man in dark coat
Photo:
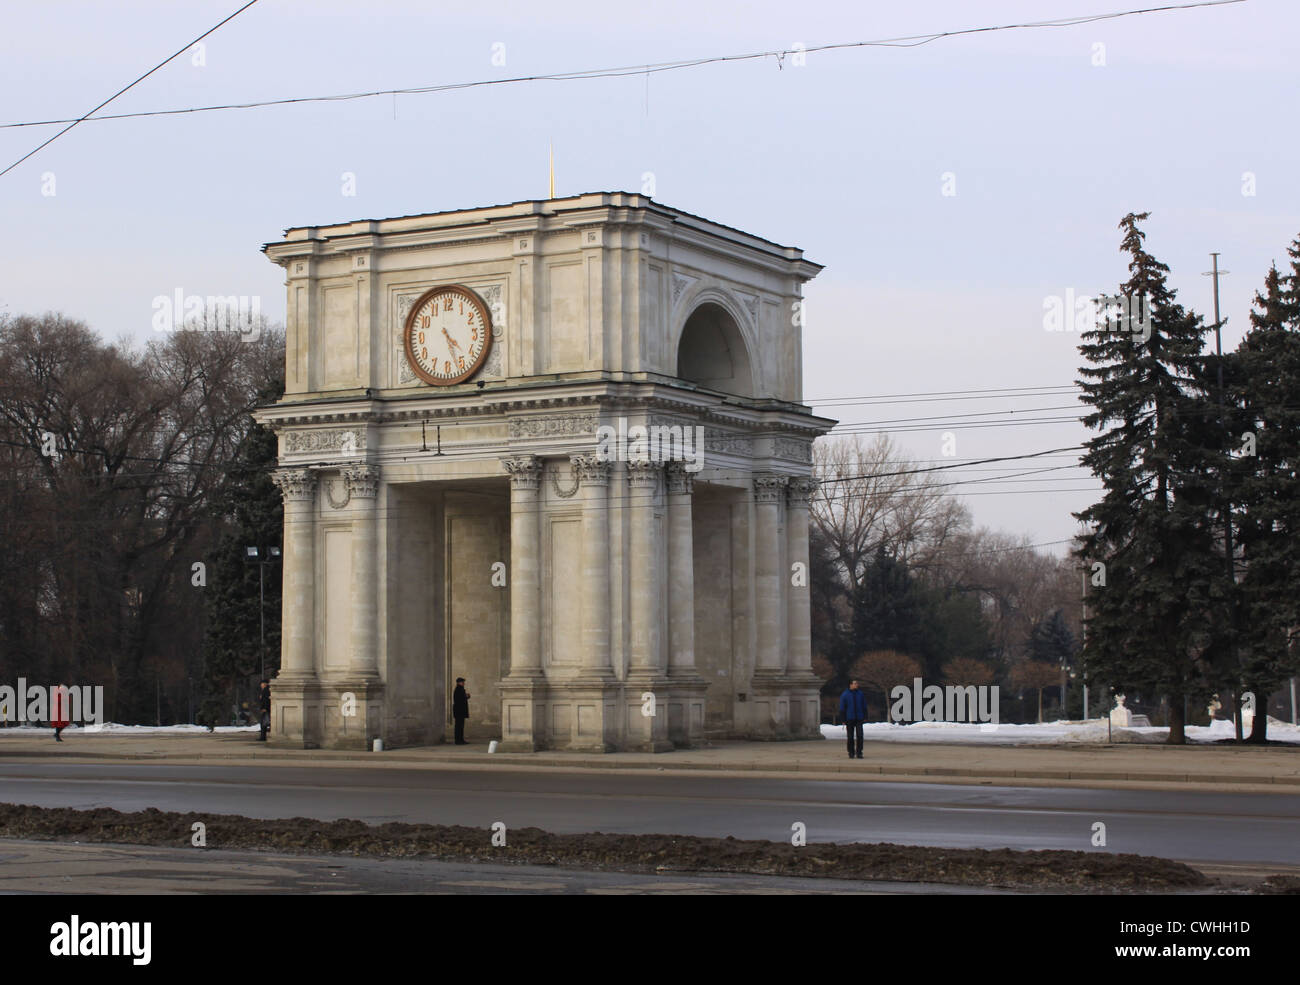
column 853, row 709
column 265, row 716
column 460, row 710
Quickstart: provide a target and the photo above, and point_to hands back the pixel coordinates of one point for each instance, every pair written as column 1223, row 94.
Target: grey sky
column 844, row 157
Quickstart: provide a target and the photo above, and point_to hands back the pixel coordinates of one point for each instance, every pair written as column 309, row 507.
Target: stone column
column 769, row 491
column 297, row 653
column 681, row 572
column 363, row 490
column 525, row 566
column 593, row 478
column 798, row 618
column 645, row 611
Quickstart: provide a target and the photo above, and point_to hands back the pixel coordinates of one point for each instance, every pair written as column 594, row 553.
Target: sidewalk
column 1237, row 768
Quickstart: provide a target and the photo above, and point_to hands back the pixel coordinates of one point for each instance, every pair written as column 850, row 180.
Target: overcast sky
column 949, row 188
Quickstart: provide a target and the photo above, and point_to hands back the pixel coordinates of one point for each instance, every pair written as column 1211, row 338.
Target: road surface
column 1193, row 826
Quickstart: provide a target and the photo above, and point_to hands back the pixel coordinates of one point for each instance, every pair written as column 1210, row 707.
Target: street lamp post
column 254, row 556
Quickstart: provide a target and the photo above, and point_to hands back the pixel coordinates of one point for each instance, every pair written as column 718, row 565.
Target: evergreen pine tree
column 251, row 511
column 1264, row 374
column 1155, row 609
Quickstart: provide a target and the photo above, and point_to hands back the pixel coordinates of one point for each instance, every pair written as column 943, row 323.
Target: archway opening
column 712, row 352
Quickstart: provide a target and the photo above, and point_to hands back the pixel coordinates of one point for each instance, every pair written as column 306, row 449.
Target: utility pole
column 1226, row 508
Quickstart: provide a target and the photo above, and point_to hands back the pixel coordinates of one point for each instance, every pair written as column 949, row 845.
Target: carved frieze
column 794, row 449
column 345, row 441
column 551, row 427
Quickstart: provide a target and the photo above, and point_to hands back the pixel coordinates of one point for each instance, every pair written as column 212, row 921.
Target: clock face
column 447, row 335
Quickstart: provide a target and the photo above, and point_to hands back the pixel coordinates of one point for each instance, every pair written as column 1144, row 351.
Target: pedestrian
column 265, row 717
column 59, row 711
column 853, row 709
column 460, row 710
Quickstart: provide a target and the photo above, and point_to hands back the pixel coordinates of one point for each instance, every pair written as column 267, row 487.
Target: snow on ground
column 112, row 728
column 1004, row 734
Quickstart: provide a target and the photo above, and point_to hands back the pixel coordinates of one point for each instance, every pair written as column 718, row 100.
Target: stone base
column 784, row 706
column 523, row 714
column 685, row 698
column 309, row 713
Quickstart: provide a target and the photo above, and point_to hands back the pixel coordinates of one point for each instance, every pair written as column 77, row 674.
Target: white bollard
column 379, row 745
column 492, row 746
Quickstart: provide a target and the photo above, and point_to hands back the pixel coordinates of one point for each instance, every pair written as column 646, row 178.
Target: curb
column 395, row 759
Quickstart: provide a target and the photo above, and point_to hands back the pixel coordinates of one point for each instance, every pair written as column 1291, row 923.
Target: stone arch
column 715, row 346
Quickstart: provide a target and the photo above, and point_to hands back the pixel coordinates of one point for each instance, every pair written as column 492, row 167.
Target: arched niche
column 712, row 352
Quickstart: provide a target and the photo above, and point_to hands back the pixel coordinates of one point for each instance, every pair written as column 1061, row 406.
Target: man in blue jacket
column 853, row 709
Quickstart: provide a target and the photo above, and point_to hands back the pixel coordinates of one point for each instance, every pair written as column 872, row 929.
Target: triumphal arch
column 556, row 448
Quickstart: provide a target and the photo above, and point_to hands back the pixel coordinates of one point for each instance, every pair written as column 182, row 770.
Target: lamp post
column 254, row 556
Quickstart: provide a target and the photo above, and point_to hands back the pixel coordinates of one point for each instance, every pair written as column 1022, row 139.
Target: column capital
column 681, row 481
column 295, row 485
column 644, row 474
column 525, row 472
column 591, row 470
column 799, row 492
column 769, row 488
column 362, row 481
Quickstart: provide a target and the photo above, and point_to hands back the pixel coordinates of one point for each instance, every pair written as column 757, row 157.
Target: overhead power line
column 779, row 55
column 82, row 119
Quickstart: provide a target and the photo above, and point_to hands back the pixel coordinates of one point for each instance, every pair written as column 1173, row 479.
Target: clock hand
column 452, row 345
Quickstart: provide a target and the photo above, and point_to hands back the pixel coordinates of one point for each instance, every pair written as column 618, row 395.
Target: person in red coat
column 59, row 711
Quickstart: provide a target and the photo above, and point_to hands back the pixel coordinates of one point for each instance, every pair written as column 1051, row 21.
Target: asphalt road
column 1191, row 826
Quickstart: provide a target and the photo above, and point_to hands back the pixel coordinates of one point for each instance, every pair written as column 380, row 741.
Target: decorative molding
column 799, row 492
column 295, row 485
column 680, row 283
column 404, row 372
column 346, row 442
column 362, row 481
column 549, row 427
column 680, row 482
column 592, row 471
column 555, row 481
column 525, row 472
column 769, row 488
column 750, row 301
column 338, row 504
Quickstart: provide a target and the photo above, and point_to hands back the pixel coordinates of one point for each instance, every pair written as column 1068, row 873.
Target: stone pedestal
column 351, row 711
column 295, row 711
column 524, row 713
column 769, row 706
column 1120, row 717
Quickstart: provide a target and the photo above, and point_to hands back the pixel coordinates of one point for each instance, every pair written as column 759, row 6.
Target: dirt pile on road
column 1041, row 870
